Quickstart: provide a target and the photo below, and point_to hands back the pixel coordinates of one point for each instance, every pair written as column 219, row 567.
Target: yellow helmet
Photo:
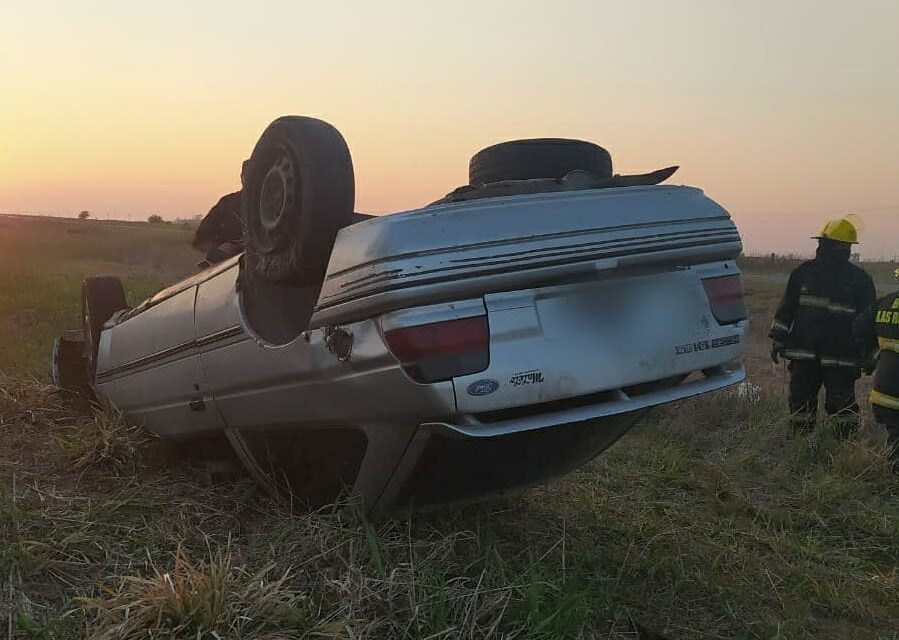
column 841, row 230
column 896, row 274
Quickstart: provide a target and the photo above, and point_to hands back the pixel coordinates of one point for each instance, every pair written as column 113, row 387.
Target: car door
column 242, row 369
column 149, row 368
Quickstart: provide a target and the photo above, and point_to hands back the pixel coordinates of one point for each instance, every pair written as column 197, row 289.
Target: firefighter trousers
column 806, row 379
column 889, row 420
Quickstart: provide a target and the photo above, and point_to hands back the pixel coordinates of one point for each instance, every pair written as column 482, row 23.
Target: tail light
column 726, row 298
column 442, row 350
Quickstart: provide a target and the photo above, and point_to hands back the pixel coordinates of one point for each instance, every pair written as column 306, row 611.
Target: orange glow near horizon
column 783, row 112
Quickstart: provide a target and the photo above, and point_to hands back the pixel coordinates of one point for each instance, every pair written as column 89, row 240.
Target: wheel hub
column 276, row 194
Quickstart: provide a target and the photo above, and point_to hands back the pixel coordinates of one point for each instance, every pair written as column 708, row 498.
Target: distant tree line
column 153, row 218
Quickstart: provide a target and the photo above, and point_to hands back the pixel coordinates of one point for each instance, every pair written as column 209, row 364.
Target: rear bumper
column 618, row 402
column 468, row 460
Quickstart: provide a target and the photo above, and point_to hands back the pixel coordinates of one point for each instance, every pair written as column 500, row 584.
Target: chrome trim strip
column 218, row 336
column 546, row 237
column 174, row 350
column 410, row 294
column 431, row 265
column 546, row 257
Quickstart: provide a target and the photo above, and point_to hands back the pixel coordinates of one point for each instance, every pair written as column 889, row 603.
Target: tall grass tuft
column 217, row 599
column 26, row 403
column 106, row 440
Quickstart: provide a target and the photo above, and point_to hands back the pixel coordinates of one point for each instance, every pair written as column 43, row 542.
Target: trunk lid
column 564, row 341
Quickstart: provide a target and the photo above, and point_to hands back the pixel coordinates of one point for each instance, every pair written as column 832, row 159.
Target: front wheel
column 101, row 296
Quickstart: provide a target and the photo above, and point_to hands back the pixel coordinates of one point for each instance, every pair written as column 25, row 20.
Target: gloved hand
column 776, row 351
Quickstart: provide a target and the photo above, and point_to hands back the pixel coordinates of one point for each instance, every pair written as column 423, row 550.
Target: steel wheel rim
column 276, row 194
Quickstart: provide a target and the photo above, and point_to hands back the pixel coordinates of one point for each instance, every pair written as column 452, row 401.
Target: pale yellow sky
column 785, row 112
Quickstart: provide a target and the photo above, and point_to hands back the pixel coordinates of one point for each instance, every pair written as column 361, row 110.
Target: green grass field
column 706, row 521
column 43, row 261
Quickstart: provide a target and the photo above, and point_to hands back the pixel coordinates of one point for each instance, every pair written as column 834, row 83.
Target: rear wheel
column 538, row 158
column 298, row 192
column 101, row 296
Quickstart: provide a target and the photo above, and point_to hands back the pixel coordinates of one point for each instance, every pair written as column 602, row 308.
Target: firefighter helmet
column 842, row 230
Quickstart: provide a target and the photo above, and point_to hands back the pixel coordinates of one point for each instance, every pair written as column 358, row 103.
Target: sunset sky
column 786, row 112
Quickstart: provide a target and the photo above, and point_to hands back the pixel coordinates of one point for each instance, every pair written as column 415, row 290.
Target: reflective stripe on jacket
column 883, row 400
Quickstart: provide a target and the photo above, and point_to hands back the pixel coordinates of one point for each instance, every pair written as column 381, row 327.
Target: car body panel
column 504, row 244
column 301, row 381
column 596, row 313
column 576, row 339
column 162, row 329
column 150, row 366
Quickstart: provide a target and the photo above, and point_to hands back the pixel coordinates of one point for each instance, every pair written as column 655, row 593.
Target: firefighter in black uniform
column 220, row 234
column 878, row 331
column 813, row 329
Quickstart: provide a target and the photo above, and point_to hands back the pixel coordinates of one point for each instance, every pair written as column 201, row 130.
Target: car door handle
column 197, row 404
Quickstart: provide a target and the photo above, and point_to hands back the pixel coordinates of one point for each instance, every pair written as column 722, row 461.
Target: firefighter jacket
column 878, row 331
column 823, row 298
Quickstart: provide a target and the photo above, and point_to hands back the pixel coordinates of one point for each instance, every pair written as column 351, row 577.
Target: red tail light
column 442, row 350
column 726, row 298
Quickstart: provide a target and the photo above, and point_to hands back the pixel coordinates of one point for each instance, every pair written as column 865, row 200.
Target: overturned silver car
column 497, row 338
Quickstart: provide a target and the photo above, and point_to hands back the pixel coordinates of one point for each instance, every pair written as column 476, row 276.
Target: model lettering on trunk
column 705, row 345
column 534, row 376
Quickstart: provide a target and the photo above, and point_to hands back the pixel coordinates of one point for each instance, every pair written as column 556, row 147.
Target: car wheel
column 298, row 192
column 537, row 158
column 101, row 296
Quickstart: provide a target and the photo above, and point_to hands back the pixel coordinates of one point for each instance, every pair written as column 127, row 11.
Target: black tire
column 298, row 192
column 101, row 296
column 537, row 158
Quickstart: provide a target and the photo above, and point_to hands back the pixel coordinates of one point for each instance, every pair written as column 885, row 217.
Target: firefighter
column 220, row 234
column 813, row 329
column 877, row 330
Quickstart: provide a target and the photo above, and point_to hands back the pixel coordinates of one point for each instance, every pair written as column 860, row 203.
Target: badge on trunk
column 482, row 387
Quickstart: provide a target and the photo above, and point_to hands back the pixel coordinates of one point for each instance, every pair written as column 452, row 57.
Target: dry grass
column 708, row 521
column 32, row 403
column 216, row 599
column 104, row 438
